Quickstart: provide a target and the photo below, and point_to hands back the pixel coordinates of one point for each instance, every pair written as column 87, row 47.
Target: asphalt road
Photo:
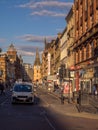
column 43, row 115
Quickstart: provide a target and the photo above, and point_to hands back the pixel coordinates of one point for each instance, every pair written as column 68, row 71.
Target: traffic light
column 62, row 71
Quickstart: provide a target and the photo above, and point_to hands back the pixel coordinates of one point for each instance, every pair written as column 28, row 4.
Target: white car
column 22, row 93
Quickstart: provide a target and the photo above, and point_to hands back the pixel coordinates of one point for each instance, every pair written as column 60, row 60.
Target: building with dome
column 15, row 65
column 12, row 53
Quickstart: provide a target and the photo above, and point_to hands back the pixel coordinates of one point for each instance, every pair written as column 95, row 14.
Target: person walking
column 2, row 87
column 62, row 94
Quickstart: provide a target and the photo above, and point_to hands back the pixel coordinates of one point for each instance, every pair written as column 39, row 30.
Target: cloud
column 31, row 48
column 48, row 8
column 28, row 50
column 48, row 13
column 33, row 38
column 25, row 53
column 51, row 3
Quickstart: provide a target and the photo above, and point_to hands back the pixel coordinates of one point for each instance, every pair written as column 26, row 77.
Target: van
column 22, row 93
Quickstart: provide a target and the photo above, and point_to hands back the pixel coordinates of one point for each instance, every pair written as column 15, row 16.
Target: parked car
column 22, row 93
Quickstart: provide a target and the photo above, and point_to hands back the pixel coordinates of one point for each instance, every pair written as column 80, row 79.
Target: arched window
column 90, row 51
column 80, row 55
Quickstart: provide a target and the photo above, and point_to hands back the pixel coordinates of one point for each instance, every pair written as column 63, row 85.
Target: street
column 44, row 114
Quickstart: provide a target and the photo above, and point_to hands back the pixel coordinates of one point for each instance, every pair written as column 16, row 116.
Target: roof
column 11, row 48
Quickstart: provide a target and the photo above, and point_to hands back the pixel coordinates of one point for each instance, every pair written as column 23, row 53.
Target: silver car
column 22, row 93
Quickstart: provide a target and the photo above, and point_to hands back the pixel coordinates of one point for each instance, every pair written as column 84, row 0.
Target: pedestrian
column 55, row 86
column 2, row 87
column 62, row 98
column 94, row 89
column 62, row 94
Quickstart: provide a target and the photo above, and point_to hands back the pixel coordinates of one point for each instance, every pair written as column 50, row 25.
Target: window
column 81, row 21
column 11, row 56
column 86, row 4
column 76, row 5
column 23, row 88
column 85, row 26
column 91, row 9
column 85, row 15
column 88, row 51
column 82, row 53
column 76, row 57
column 81, row 1
column 91, row 2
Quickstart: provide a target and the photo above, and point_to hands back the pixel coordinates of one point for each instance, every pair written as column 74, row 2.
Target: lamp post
column 69, row 98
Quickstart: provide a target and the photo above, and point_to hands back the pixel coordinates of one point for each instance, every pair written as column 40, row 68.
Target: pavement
column 71, row 109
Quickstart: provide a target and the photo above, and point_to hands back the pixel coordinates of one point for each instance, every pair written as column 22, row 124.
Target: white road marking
column 43, row 113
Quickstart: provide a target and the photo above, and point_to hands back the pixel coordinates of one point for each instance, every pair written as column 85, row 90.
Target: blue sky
column 26, row 23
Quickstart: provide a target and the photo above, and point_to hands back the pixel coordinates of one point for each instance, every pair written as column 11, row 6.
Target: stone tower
column 37, row 68
column 37, row 59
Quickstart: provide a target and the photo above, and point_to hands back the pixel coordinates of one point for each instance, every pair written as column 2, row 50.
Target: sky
column 26, row 24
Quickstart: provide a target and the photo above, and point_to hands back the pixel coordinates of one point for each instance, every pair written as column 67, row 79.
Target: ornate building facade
column 86, row 42
column 14, row 63
column 3, row 67
column 10, row 65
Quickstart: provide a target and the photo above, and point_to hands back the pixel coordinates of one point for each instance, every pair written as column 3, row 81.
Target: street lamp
column 69, row 96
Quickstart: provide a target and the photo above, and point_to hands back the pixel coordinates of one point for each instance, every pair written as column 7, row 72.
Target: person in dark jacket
column 1, row 87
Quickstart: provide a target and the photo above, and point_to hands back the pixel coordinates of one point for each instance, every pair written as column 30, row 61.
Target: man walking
column 1, row 87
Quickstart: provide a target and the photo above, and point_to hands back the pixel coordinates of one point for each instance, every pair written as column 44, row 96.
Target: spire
column 37, row 58
column 45, row 42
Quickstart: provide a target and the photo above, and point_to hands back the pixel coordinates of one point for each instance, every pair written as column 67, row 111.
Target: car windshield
column 22, row 88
